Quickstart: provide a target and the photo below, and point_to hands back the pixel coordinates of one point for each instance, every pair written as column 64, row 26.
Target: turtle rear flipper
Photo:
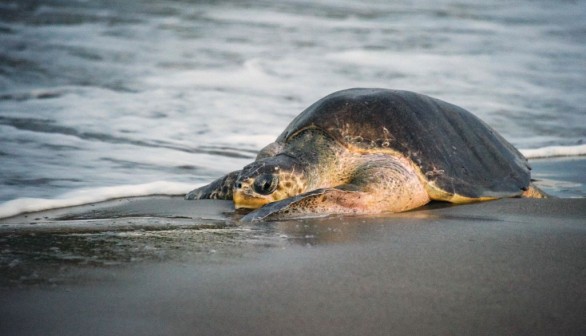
column 219, row 189
column 534, row 192
column 378, row 186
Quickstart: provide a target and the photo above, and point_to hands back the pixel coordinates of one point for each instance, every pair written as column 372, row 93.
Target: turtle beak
column 243, row 198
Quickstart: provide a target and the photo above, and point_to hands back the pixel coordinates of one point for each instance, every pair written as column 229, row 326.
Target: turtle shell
column 456, row 153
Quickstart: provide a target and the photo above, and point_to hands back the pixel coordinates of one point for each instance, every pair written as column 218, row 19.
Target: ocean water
column 103, row 99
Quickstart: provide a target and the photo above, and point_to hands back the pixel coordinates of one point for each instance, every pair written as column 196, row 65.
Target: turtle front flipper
column 292, row 207
column 219, row 189
column 383, row 186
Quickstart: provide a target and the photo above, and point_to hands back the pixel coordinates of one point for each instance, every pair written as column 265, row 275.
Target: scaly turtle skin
column 362, row 151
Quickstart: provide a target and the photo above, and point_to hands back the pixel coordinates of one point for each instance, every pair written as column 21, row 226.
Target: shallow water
column 102, row 99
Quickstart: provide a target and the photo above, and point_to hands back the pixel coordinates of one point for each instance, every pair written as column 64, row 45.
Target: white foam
column 94, row 195
column 554, row 151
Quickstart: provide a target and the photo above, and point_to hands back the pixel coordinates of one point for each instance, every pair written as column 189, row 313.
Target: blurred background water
column 107, row 98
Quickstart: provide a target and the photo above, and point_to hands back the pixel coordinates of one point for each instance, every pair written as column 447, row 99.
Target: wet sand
column 164, row 266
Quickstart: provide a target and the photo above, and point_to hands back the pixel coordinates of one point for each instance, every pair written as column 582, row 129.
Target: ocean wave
column 554, row 151
column 94, row 195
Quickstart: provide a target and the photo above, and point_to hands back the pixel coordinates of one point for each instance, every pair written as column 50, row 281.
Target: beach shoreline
column 111, row 111
column 506, row 266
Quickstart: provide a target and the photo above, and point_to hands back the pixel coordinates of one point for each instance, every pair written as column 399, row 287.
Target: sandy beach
column 162, row 265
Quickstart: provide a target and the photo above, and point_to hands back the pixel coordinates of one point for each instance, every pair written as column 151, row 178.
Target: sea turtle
column 363, row 151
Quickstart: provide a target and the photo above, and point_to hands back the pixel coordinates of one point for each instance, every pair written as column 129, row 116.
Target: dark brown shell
column 456, row 151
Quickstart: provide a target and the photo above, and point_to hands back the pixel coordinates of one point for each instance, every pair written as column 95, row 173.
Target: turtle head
column 268, row 180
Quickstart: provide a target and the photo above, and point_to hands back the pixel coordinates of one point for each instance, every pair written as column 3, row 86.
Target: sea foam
column 554, row 151
column 94, row 195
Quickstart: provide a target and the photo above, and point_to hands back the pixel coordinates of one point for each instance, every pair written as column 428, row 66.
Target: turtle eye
column 266, row 184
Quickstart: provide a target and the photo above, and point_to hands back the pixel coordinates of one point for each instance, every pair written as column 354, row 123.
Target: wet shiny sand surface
column 155, row 266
